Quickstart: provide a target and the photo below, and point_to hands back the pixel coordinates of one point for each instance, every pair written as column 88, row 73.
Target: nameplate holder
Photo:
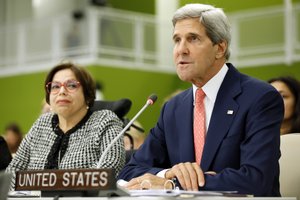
column 70, row 182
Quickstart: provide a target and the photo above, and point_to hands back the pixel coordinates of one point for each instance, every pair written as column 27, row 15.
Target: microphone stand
column 150, row 101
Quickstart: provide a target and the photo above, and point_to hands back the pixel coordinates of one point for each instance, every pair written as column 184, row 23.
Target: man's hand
column 148, row 181
column 189, row 175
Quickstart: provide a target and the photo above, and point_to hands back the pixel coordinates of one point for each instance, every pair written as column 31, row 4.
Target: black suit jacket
column 242, row 143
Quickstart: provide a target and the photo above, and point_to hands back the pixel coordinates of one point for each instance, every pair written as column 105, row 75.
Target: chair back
column 290, row 165
column 5, row 180
column 121, row 107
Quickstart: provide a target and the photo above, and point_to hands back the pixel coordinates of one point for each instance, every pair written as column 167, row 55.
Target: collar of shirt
column 211, row 89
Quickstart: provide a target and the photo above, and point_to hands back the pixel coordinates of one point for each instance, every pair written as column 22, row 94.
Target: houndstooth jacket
column 85, row 146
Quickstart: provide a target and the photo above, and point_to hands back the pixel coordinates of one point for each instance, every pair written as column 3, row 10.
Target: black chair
column 121, row 107
column 5, row 180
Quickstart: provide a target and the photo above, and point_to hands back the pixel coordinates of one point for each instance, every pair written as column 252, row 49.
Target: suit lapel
column 184, row 123
column 224, row 111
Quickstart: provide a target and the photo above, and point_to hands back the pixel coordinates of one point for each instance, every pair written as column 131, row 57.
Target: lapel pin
column 229, row 112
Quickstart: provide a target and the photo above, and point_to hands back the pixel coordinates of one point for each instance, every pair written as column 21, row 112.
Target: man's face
column 196, row 58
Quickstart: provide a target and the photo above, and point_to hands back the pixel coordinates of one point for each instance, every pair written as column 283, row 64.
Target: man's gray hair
column 213, row 19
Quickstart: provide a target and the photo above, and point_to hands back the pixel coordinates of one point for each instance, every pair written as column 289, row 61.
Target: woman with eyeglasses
column 70, row 136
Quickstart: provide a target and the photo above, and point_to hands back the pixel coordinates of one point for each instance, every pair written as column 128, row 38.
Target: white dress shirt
column 211, row 89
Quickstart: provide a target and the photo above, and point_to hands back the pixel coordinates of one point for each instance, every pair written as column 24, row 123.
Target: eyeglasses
column 70, row 86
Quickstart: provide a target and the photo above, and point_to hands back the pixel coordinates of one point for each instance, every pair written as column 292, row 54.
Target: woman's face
column 66, row 96
column 288, row 98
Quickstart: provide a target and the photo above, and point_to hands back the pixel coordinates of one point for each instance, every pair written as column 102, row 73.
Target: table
column 157, row 198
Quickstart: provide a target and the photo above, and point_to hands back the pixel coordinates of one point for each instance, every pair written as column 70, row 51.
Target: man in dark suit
column 242, row 118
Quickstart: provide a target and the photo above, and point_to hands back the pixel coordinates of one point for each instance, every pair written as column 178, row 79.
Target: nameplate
column 71, row 179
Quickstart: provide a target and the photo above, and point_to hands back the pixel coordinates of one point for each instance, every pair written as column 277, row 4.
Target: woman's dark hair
column 14, row 127
column 85, row 79
column 294, row 86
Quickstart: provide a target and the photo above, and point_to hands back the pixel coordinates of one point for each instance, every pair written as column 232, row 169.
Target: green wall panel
column 147, row 6
column 21, row 98
column 267, row 72
column 137, row 86
column 21, row 95
column 235, row 5
column 262, row 32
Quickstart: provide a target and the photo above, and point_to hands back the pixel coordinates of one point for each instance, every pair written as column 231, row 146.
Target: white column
column 94, row 33
column 288, row 31
column 56, row 41
column 139, row 44
column 164, row 13
column 14, row 48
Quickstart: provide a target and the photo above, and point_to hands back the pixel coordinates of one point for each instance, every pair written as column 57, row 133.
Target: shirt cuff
column 162, row 173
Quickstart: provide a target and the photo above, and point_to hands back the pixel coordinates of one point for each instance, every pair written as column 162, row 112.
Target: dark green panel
column 21, row 99
column 137, row 86
column 267, row 72
column 21, row 96
column 134, row 5
column 235, row 5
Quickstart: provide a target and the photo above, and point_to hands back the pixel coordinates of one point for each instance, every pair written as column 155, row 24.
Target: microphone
column 150, row 101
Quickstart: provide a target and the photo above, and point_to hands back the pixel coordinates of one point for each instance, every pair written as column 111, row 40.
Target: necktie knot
column 199, row 95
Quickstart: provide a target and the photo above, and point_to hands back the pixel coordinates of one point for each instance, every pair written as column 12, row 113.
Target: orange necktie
column 199, row 124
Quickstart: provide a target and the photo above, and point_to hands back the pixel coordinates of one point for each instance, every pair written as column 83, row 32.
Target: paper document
column 24, row 193
column 178, row 193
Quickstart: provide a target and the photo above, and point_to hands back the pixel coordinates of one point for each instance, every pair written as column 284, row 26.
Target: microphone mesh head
column 152, row 98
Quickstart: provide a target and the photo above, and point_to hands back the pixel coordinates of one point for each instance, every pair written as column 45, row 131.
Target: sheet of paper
column 24, row 193
column 178, row 193
column 175, row 192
